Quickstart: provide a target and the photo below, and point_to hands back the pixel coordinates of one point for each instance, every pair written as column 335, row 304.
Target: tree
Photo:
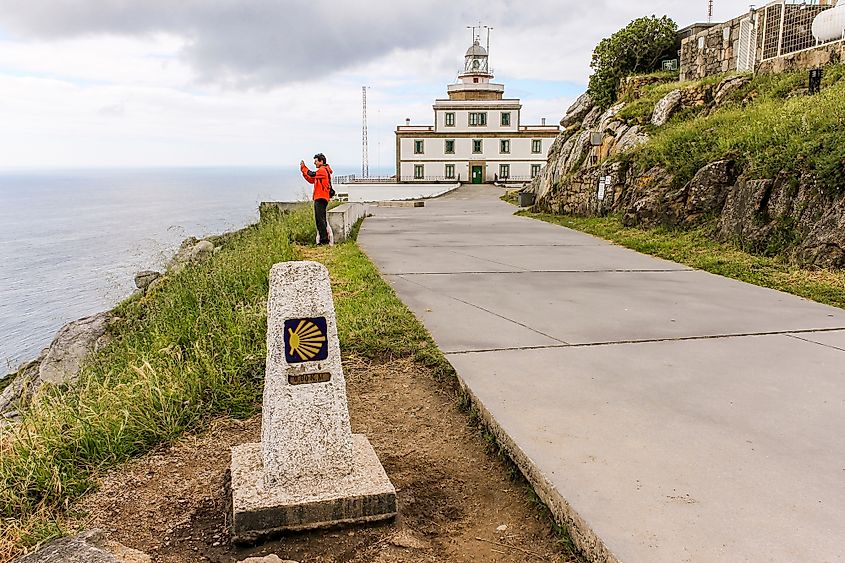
column 638, row 48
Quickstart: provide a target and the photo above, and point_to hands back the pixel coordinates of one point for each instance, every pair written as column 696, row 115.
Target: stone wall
column 718, row 54
column 803, row 60
column 714, row 50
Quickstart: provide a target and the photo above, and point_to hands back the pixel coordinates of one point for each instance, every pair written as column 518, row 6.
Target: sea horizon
column 72, row 239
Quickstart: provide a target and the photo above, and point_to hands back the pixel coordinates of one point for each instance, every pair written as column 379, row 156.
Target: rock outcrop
column 666, row 108
column 782, row 215
column 59, row 364
column 88, row 547
column 578, row 111
column 728, row 86
column 145, row 278
column 191, row 251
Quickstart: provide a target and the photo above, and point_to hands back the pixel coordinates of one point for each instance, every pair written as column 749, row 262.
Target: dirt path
column 451, row 490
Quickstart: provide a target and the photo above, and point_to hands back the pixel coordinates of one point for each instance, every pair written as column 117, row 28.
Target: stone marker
column 309, row 470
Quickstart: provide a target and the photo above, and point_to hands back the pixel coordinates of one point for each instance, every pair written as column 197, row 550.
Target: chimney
column 544, row 121
column 407, row 121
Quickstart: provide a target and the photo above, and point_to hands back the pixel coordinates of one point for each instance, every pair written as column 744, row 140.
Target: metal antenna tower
column 710, row 12
column 489, row 29
column 365, row 145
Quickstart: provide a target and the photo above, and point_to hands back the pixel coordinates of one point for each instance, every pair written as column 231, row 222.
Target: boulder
column 59, row 364
column 191, row 251
column 707, row 191
column 87, row 547
column 666, row 108
column 578, row 110
column 267, row 559
column 74, row 342
column 629, row 139
column 145, row 278
column 728, row 86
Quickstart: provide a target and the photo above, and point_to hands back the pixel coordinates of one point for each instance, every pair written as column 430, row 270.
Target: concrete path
column 668, row 414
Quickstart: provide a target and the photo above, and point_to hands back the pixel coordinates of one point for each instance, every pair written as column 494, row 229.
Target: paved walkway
column 671, row 414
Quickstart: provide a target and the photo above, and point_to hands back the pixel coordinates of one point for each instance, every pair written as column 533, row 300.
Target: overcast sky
column 267, row 82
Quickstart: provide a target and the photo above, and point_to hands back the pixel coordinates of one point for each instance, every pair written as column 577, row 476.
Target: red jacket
column 321, row 180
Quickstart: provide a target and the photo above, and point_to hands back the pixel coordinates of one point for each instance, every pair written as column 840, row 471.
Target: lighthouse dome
column 476, row 50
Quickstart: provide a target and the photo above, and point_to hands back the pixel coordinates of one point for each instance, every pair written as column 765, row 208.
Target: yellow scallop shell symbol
column 306, row 340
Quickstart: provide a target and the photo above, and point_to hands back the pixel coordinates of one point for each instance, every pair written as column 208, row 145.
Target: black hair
column 321, row 157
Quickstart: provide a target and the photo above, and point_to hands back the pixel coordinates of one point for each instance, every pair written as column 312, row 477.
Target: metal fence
column 787, row 27
column 352, row 179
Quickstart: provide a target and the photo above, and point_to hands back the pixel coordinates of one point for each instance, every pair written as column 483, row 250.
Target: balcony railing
column 352, row 179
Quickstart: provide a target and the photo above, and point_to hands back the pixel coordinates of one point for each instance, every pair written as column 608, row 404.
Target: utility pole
column 365, row 157
column 710, row 11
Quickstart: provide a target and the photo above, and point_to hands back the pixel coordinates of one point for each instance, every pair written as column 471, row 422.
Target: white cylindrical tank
column 830, row 24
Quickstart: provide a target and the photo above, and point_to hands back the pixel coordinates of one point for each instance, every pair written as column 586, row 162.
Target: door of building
column 476, row 175
column 747, row 49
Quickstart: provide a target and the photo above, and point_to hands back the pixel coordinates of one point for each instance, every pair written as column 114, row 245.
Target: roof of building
column 476, row 50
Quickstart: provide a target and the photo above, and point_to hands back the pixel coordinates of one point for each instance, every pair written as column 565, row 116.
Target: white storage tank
column 830, row 24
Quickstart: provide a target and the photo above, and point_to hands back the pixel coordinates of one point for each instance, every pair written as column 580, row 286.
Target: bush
column 638, row 48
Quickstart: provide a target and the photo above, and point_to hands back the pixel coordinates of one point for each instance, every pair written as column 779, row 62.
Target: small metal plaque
column 306, row 340
column 308, row 378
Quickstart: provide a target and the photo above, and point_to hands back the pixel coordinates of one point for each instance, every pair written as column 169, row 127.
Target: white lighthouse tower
column 477, row 134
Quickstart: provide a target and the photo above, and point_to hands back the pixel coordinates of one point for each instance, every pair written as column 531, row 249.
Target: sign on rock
column 309, row 469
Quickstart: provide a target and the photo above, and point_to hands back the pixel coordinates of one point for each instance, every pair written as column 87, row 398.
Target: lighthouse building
column 477, row 136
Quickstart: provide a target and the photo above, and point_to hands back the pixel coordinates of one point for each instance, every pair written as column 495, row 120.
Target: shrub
column 638, row 48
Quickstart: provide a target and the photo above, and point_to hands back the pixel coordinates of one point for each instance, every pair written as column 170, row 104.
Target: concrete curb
column 592, row 546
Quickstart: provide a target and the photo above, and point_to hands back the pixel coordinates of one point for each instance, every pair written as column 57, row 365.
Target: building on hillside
column 757, row 40
column 477, row 136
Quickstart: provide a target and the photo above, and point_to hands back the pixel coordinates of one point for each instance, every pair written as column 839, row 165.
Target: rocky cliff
column 593, row 169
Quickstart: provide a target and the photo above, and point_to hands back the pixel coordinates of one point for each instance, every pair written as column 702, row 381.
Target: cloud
column 113, row 82
column 251, row 43
column 266, row 43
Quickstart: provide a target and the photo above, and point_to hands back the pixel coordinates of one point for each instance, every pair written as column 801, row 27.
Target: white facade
column 477, row 135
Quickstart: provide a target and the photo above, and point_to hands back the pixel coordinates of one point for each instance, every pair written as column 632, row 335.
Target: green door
column 476, row 174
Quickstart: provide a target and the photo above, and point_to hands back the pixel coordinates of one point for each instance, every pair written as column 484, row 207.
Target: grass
column 191, row 350
column 696, row 249
column 640, row 106
column 768, row 126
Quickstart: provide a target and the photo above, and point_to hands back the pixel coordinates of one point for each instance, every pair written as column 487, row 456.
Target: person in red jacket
column 322, row 180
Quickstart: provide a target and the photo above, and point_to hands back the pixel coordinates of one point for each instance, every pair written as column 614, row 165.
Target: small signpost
column 309, row 470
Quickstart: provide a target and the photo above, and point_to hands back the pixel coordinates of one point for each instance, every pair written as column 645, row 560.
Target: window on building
column 418, row 147
column 450, row 119
column 504, row 146
column 478, row 119
column 476, row 145
column 536, row 146
column 450, row 146
column 535, row 169
column 504, row 171
column 419, row 171
column 450, row 171
column 506, row 119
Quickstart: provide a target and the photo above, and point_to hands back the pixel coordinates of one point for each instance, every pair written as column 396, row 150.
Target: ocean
column 71, row 241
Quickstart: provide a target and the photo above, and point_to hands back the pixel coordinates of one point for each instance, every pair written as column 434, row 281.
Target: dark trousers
column 320, row 206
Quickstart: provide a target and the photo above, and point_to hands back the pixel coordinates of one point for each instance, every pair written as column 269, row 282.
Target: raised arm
column 307, row 174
